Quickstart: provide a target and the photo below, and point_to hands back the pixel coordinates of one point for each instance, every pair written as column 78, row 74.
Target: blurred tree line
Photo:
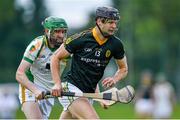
column 18, row 26
column 148, row 28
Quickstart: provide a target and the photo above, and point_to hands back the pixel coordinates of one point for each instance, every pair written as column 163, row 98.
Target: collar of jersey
column 47, row 44
column 97, row 38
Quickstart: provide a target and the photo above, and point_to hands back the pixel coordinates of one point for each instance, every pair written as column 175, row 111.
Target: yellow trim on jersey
column 99, row 41
column 23, row 93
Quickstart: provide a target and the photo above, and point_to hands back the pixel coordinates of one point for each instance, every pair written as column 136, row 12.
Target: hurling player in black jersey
column 91, row 51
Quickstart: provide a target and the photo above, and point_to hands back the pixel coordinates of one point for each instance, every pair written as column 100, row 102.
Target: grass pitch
column 117, row 111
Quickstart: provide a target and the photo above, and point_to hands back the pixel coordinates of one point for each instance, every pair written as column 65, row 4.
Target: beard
column 56, row 41
column 109, row 32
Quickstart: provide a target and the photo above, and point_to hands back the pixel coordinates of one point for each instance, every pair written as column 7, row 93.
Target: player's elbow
column 124, row 71
column 19, row 74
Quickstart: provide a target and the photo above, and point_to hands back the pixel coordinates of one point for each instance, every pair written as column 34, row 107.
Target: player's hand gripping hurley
column 124, row 95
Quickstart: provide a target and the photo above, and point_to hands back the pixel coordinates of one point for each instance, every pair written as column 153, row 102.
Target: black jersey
column 90, row 58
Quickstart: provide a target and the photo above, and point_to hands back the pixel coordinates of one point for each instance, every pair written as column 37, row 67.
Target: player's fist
column 108, row 82
column 38, row 94
column 56, row 90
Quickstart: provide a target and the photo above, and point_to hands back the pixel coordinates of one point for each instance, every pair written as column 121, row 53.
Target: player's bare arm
column 55, row 69
column 22, row 78
column 122, row 69
column 119, row 75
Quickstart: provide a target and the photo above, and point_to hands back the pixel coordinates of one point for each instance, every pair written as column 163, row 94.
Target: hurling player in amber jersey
column 91, row 51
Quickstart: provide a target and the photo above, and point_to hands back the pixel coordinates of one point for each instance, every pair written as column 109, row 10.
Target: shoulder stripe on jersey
column 43, row 42
column 28, row 60
column 77, row 35
column 99, row 41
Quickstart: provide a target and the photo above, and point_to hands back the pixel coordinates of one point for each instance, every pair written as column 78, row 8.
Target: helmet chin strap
column 105, row 36
column 48, row 34
column 49, row 37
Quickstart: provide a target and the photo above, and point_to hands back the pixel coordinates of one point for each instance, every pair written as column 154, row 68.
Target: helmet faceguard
column 54, row 23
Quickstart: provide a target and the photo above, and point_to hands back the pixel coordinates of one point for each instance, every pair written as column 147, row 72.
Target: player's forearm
column 122, row 69
column 55, row 69
column 23, row 80
column 120, row 74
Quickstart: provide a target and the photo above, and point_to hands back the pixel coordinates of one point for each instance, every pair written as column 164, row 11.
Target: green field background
column 117, row 111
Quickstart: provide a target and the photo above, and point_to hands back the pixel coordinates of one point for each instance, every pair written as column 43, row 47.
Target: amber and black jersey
column 90, row 57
